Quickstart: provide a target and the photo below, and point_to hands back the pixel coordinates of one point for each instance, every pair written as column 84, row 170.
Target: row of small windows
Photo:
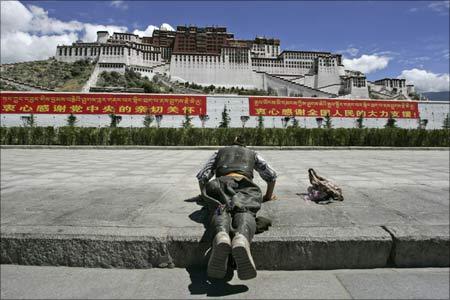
column 288, row 64
column 85, row 51
column 112, row 50
column 242, row 58
column 68, row 51
column 124, row 37
column 327, row 63
column 234, row 51
column 357, row 82
column 263, row 48
column 141, row 70
column 143, row 47
column 111, row 65
column 197, row 58
column 394, row 83
column 210, row 59
column 218, row 66
column 149, row 56
column 300, row 55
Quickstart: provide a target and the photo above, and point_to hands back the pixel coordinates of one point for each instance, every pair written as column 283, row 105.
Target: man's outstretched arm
column 268, row 174
column 207, row 172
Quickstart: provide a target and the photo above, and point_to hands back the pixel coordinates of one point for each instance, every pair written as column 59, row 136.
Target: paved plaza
column 88, row 283
column 149, row 188
column 137, row 209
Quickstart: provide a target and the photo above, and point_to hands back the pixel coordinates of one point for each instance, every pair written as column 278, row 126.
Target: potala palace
column 212, row 56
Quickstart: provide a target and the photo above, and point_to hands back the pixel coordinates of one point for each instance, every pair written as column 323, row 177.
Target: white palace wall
column 207, row 72
column 110, row 54
column 434, row 112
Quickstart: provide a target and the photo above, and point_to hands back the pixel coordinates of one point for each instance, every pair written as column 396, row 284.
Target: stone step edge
column 125, row 147
column 290, row 248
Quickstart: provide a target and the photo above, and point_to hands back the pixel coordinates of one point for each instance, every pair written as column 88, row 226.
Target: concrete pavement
column 32, row 282
column 136, row 209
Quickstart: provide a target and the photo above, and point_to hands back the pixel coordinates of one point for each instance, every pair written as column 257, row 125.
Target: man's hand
column 268, row 196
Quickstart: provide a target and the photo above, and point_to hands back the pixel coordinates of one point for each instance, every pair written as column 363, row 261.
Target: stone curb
column 420, row 246
column 216, row 147
column 280, row 248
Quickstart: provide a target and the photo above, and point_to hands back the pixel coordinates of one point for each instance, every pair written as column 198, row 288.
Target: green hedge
column 223, row 136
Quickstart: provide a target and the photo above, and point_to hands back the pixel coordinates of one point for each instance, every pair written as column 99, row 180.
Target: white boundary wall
column 435, row 112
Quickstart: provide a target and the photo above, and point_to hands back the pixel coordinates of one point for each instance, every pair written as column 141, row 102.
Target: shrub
column 70, row 135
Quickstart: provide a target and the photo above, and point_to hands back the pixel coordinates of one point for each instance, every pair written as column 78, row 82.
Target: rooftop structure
column 213, row 56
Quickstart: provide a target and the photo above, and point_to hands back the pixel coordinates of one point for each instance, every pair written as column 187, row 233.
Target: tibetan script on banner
column 339, row 108
column 101, row 103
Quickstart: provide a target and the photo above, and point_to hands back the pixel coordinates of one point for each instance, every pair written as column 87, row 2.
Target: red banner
column 100, row 103
column 335, row 108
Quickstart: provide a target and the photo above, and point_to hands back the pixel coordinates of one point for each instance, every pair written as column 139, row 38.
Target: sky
column 397, row 39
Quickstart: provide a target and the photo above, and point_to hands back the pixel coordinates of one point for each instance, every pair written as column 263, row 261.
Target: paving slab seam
column 420, row 246
column 391, row 259
column 285, row 148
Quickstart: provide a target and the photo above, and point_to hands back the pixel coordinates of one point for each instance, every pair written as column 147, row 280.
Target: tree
column 148, row 120
column 446, row 124
column 225, row 123
column 260, row 122
column 244, row 120
column 203, row 119
column 328, row 121
column 158, row 120
column 422, row 123
column 115, row 120
column 319, row 121
column 187, row 123
column 29, row 121
column 285, row 121
column 271, row 91
column 390, row 122
column 71, row 120
column 359, row 122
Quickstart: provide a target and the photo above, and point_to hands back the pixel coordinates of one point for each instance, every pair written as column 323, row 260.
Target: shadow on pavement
column 322, row 202
column 201, row 284
column 201, row 216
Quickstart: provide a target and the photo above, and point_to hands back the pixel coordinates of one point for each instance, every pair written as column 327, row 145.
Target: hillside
column 50, row 74
column 130, row 80
column 8, row 87
column 162, row 84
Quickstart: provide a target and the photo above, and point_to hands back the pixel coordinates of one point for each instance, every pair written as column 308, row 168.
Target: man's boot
column 246, row 268
column 218, row 262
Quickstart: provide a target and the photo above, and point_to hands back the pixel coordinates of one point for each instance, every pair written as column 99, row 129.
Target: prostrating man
column 233, row 200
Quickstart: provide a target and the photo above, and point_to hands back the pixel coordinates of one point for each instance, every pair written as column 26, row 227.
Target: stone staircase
column 26, row 86
column 302, row 87
column 164, row 80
